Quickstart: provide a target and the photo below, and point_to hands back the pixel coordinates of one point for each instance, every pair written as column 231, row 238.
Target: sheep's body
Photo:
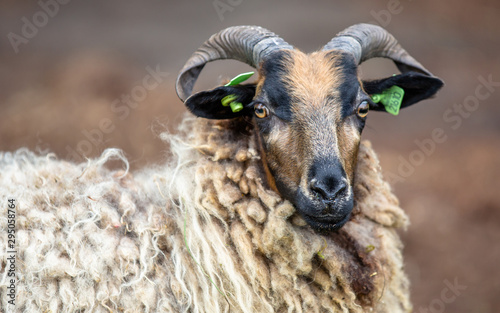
column 202, row 234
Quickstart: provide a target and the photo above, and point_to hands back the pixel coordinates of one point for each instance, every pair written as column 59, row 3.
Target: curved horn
column 248, row 44
column 366, row 41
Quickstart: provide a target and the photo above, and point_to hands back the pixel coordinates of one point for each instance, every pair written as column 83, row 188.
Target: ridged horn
column 248, row 44
column 366, row 41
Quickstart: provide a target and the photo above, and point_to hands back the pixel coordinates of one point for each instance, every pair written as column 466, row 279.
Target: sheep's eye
column 261, row 110
column 363, row 108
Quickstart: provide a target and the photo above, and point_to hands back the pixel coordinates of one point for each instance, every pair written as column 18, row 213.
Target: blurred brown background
column 65, row 79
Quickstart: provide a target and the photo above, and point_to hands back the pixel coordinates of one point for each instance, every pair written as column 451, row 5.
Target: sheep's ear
column 209, row 104
column 416, row 86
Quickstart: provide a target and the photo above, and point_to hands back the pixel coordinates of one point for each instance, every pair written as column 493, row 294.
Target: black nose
column 328, row 188
column 327, row 180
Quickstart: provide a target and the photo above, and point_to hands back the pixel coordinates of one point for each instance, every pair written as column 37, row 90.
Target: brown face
column 310, row 111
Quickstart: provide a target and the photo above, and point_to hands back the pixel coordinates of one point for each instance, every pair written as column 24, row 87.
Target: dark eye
column 363, row 108
column 261, row 110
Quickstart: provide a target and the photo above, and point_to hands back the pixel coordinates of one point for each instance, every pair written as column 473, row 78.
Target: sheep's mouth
column 313, row 212
column 325, row 223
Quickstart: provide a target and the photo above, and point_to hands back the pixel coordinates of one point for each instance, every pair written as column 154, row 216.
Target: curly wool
column 202, row 233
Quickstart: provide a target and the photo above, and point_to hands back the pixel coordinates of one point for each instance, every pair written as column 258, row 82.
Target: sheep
column 216, row 228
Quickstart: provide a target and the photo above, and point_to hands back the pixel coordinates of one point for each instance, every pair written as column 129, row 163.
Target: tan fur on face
column 316, row 131
column 311, row 80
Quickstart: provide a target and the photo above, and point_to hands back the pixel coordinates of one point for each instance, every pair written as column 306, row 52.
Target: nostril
column 341, row 189
column 315, row 188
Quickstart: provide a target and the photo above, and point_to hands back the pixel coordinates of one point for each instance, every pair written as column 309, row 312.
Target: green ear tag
column 229, row 101
column 391, row 99
column 239, row 79
column 236, row 106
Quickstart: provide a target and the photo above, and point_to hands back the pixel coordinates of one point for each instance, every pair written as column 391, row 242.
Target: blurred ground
column 62, row 88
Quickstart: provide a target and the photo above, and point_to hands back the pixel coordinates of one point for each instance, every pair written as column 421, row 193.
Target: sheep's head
column 309, row 109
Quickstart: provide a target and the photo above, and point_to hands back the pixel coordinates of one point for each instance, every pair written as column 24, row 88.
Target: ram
column 269, row 203
column 309, row 109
